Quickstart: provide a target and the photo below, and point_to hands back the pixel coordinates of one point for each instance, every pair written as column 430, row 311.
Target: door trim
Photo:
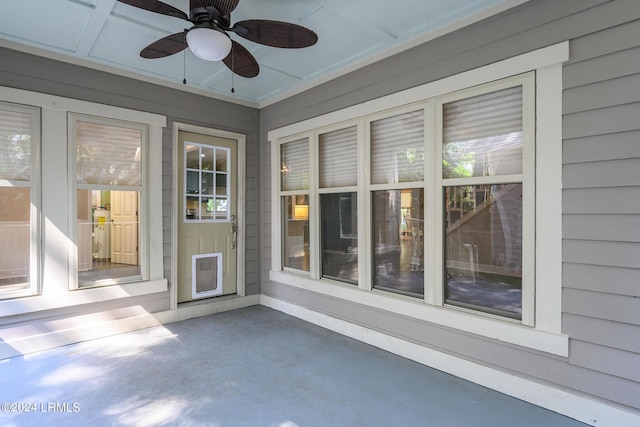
column 175, row 216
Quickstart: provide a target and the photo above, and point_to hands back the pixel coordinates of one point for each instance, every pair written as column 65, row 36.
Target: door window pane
column 397, row 149
column 15, row 238
column 398, row 241
column 483, row 248
column 207, row 184
column 339, row 235
column 483, row 135
column 296, row 232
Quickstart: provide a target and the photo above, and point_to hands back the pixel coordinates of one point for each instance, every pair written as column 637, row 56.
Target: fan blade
column 165, row 46
column 275, row 33
column 241, row 62
column 225, row 7
column 157, row 7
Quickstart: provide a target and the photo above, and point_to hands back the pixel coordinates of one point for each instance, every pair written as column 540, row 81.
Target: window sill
column 496, row 329
column 80, row 296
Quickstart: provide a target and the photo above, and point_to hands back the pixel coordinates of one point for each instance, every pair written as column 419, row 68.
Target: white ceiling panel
column 108, row 34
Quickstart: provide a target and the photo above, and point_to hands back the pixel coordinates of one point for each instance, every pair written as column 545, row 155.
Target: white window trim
column 55, row 254
column 143, row 208
column 546, row 335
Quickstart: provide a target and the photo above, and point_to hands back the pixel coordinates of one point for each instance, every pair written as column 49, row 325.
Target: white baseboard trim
column 572, row 405
column 19, row 341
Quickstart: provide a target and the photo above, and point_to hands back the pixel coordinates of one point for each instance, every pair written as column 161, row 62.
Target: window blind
column 397, row 148
column 484, row 133
column 339, row 158
column 108, row 155
column 15, row 145
column 495, row 113
column 294, row 165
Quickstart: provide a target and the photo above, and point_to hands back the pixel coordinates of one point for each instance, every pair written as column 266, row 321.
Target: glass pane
column 221, row 184
column 207, row 208
column 108, row 235
column 339, row 158
column 192, row 156
column 222, row 160
column 483, row 135
column 397, row 149
column 207, row 161
column 15, row 238
column 15, row 146
column 483, row 248
column 221, row 208
column 339, row 234
column 108, row 155
column 398, row 241
column 296, row 232
column 193, row 184
column 192, row 208
column 207, row 183
column 294, row 167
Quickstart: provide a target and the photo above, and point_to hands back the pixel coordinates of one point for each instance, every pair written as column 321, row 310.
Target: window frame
column 527, row 178
column 215, row 218
column 540, row 327
column 143, row 199
column 33, row 184
column 315, row 209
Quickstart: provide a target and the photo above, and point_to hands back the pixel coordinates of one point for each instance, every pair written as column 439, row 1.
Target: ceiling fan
column 208, row 38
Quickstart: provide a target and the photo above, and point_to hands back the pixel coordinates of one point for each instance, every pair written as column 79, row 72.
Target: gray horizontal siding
column 602, row 332
column 607, row 173
column 601, row 181
column 601, row 305
column 616, row 146
column 601, row 201
column 618, row 228
column 590, row 356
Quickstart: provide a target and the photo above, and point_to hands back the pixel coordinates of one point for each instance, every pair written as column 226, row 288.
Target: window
column 109, row 165
column 207, row 181
column 487, row 148
column 294, row 175
column 338, row 179
column 397, row 202
column 19, row 131
column 450, row 178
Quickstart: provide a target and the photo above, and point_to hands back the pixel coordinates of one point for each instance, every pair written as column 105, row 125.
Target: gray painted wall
column 601, row 180
column 28, row 72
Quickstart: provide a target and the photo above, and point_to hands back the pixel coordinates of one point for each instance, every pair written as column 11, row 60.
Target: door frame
column 241, row 139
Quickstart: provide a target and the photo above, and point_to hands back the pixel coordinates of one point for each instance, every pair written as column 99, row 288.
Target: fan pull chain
column 184, row 67
column 233, row 57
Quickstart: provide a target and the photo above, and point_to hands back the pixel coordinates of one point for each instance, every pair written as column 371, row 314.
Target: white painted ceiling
column 109, row 35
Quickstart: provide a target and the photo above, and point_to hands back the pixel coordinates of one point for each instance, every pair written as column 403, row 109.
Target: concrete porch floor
column 247, row 367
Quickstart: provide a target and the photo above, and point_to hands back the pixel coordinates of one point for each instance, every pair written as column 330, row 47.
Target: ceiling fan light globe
column 208, row 43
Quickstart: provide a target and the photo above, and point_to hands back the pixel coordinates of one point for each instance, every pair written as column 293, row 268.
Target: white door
column 207, row 223
column 124, row 227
